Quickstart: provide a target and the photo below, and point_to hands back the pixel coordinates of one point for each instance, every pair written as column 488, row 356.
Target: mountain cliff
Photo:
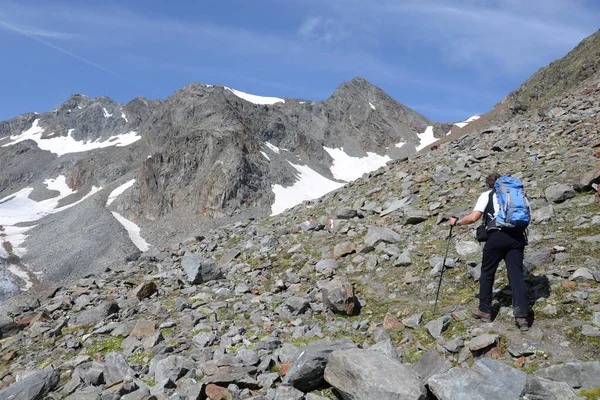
column 204, row 155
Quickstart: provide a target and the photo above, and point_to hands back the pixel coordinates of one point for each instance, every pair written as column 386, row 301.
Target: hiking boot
column 522, row 324
column 483, row 316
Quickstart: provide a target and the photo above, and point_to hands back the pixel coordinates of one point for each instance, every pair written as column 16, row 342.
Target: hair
column 491, row 179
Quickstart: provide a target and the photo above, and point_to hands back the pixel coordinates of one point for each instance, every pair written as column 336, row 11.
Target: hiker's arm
column 467, row 219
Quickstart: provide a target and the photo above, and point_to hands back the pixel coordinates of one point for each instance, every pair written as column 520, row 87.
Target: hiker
column 502, row 244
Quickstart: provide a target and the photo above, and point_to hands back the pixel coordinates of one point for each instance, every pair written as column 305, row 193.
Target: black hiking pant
column 507, row 246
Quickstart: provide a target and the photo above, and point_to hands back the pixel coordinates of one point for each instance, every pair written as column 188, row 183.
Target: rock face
column 357, row 375
column 202, row 155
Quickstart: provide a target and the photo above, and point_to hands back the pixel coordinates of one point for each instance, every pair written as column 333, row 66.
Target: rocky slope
column 335, row 300
column 205, row 155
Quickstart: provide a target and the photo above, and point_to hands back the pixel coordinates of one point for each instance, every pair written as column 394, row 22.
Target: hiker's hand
column 452, row 221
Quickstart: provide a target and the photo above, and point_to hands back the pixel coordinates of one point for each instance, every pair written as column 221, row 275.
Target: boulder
column 96, row 314
column 431, row 363
column 486, row 380
column 581, row 375
column 437, row 326
column 200, row 269
column 34, row 386
column 338, row 296
column 559, row 193
column 357, row 375
column 377, row 234
column 116, row 368
column 306, row 372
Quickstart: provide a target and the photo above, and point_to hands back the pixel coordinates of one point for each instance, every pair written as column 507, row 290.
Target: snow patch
column 348, row 168
column 124, row 116
column 372, row 106
column 301, row 102
column 18, row 207
column 426, row 138
column 62, row 145
column 255, row 99
column 15, row 270
column 466, row 122
column 118, row 191
column 15, row 236
column 133, row 230
column 265, row 154
column 273, row 148
column 310, row 185
column 400, row 144
column 106, row 113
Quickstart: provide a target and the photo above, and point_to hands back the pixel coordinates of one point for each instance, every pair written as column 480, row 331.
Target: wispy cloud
column 36, row 34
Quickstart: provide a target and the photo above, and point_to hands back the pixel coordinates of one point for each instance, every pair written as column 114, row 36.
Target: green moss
column 327, row 393
column 590, row 394
column 149, row 381
column 141, row 357
column 105, row 346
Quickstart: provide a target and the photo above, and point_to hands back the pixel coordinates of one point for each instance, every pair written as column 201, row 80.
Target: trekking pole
column 443, row 268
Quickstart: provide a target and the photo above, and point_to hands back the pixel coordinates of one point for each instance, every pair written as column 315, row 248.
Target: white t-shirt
column 482, row 202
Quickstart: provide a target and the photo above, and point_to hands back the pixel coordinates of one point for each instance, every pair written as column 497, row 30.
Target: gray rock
column 537, row 258
column 582, row 274
column 590, row 331
column 559, row 193
column 431, row 363
column 204, row 339
column 288, row 393
column 297, row 305
column 437, row 326
column 338, row 296
column 582, row 375
column 248, row 357
column 326, row 264
column 88, row 393
column 239, row 375
column 34, row 386
column 172, row 368
column 306, row 372
column 385, row 347
column 486, row 380
column 414, row 321
column 465, row 248
column 200, row 269
column 97, row 313
column 415, row 216
column 542, row 214
column 377, row 234
column 346, row 213
column 482, row 341
column 116, row 368
column 596, row 318
column 357, row 375
column 561, row 390
column 397, row 204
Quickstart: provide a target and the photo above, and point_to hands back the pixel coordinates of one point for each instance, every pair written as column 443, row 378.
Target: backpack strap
column 489, row 211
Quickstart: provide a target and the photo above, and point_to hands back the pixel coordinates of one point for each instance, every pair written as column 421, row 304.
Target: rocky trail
column 335, row 300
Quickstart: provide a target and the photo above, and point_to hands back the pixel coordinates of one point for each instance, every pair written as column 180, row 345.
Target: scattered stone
column 437, row 326
column 33, row 386
column 582, row 375
column 338, row 296
column 306, row 373
column 414, row 321
column 200, row 269
column 482, row 342
column 559, row 193
column 356, row 374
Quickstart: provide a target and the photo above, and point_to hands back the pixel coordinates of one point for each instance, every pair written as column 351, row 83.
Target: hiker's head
column 491, row 179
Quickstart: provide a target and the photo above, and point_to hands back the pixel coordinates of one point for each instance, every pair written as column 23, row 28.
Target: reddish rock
column 8, row 356
column 570, row 285
column 390, row 323
column 143, row 328
column 214, row 392
column 421, row 179
column 520, row 362
column 144, row 290
column 285, row 368
column 344, row 249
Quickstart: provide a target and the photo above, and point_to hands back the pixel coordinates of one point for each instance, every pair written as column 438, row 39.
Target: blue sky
column 448, row 59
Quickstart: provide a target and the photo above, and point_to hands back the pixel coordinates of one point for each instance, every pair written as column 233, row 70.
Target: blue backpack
column 513, row 206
